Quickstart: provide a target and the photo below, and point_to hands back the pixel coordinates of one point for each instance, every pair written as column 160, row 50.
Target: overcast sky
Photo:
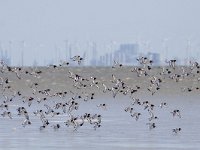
column 49, row 22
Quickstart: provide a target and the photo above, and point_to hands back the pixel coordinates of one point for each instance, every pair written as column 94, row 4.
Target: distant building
column 94, row 61
column 127, row 54
column 155, row 57
column 4, row 56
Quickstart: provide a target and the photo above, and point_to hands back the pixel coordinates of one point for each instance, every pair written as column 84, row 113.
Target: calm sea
column 118, row 129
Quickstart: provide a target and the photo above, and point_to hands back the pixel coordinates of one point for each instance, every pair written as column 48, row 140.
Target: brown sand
column 57, row 79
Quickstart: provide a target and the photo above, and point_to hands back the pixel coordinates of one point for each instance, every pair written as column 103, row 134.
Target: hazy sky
column 49, row 22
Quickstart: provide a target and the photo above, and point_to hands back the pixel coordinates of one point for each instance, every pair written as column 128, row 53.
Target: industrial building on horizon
column 127, row 54
column 124, row 53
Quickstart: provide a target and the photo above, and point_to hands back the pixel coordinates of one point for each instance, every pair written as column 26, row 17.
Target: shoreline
column 58, row 79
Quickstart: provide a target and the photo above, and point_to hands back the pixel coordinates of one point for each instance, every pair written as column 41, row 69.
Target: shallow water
column 118, row 131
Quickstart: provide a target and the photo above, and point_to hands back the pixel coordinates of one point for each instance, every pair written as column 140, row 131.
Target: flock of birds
column 81, row 90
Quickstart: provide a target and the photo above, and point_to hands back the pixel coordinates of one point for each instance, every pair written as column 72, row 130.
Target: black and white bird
column 176, row 112
column 176, row 130
column 151, row 125
column 77, row 58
